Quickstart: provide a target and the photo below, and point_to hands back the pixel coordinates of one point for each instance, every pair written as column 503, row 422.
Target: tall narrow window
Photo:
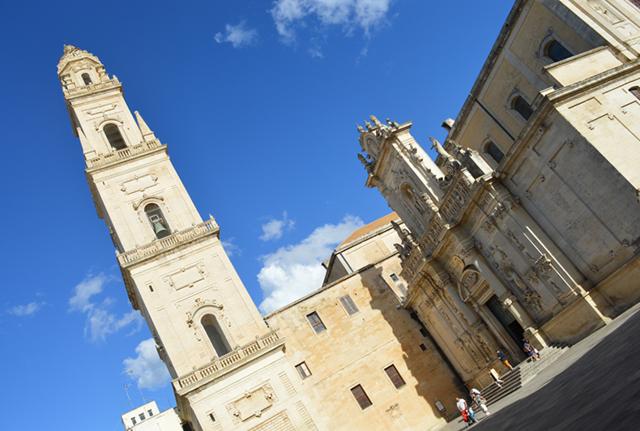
column 316, row 322
column 303, row 370
column 361, row 397
column 212, row 328
column 86, row 79
column 114, row 137
column 133, row 420
column 494, row 151
column 395, row 376
column 348, row 305
column 556, row 51
column 635, row 91
column 158, row 223
column 522, row 107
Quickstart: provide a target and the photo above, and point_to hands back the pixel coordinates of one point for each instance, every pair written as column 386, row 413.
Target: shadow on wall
column 436, row 380
column 599, row 391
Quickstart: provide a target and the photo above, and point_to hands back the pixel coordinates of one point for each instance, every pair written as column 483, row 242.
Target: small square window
column 141, row 415
column 303, row 370
column 394, row 277
column 316, row 322
column 133, row 420
column 423, row 347
column 395, row 376
column 150, row 413
column 348, row 305
column 361, row 397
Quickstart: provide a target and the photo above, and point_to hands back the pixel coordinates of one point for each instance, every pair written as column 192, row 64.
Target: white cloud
column 238, row 35
column 26, row 309
column 100, row 321
column 230, row 247
column 295, row 270
column 147, row 369
column 350, row 14
column 274, row 228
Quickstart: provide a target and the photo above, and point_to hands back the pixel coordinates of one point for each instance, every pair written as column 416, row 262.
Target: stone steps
column 521, row 374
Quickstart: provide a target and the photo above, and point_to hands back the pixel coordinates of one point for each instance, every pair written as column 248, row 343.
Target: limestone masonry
column 527, row 225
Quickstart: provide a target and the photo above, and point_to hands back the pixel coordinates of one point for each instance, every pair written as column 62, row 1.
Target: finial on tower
column 147, row 134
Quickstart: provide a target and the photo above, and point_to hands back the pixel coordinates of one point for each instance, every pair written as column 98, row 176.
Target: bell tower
column 206, row 328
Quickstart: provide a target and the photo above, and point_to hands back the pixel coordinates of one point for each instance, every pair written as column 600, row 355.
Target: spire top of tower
column 72, row 53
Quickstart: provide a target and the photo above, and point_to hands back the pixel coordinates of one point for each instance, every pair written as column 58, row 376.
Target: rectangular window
column 395, row 376
column 316, row 322
column 361, row 397
column 212, row 417
column 303, row 370
column 394, row 277
column 348, row 305
column 133, row 420
column 150, row 413
column 141, row 416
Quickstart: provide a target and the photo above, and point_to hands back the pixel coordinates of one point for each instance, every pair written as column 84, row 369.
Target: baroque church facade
column 526, row 225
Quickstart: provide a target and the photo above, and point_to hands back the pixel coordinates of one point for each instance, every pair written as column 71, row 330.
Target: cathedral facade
column 527, row 225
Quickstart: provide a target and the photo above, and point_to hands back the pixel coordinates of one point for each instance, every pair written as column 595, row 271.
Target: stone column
column 536, row 337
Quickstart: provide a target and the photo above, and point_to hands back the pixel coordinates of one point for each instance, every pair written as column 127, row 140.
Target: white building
column 148, row 417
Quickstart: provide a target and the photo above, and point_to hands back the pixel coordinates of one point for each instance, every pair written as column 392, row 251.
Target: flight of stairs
column 521, row 374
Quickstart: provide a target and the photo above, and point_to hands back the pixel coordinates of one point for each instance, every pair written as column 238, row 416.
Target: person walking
column 496, row 377
column 481, row 403
column 503, row 358
column 465, row 411
column 531, row 351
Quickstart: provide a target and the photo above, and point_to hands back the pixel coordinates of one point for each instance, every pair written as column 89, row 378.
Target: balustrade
column 219, row 365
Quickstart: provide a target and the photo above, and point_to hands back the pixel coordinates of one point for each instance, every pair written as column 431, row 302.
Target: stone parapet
column 228, row 362
column 123, row 155
column 73, row 91
column 171, row 242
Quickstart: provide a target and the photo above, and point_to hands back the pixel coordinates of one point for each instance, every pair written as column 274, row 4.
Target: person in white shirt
column 477, row 397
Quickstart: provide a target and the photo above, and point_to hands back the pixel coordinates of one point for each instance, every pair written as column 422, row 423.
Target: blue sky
column 258, row 102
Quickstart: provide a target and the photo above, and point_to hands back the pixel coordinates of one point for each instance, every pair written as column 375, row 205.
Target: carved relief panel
column 252, row 404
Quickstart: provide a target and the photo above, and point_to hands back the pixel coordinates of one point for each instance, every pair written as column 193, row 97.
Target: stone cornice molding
column 172, row 242
column 79, row 91
column 227, row 363
column 126, row 154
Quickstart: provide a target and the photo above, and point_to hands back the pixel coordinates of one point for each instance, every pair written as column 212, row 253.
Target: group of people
column 467, row 412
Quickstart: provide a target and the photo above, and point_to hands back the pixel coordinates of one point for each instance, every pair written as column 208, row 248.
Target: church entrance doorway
column 507, row 320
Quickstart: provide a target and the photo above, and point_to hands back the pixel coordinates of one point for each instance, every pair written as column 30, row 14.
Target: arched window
column 158, row 223
column 494, row 151
column 114, row 137
column 635, row 91
column 521, row 107
column 212, row 328
column 86, row 78
column 556, row 51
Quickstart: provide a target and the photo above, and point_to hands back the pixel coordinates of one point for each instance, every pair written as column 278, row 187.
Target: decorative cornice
column 169, row 243
column 73, row 92
column 106, row 160
column 227, row 363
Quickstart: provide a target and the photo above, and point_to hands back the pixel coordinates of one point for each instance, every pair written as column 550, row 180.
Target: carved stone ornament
column 252, row 404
